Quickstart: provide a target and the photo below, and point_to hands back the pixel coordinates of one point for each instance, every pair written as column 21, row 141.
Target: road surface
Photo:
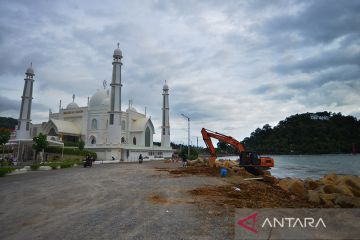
column 108, row 201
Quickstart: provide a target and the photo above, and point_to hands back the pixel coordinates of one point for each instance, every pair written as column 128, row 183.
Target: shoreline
column 329, row 191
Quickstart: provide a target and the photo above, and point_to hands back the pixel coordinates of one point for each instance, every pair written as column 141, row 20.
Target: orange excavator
column 249, row 160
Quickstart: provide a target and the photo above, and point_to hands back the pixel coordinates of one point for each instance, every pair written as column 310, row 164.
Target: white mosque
column 104, row 127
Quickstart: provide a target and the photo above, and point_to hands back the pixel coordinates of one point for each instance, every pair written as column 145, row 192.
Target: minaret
column 23, row 129
column 115, row 99
column 165, row 128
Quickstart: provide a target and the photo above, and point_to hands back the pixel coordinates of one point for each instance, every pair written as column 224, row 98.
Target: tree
column 81, row 144
column 8, row 123
column 40, row 143
column 307, row 133
column 4, row 137
column 193, row 153
column 223, row 146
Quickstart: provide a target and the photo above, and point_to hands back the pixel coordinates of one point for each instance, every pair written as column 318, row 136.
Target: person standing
column 184, row 161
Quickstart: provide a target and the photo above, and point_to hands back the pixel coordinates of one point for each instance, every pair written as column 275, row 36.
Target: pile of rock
column 199, row 162
column 331, row 190
column 231, row 166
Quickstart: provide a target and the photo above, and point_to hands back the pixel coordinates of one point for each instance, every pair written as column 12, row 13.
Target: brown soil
column 252, row 194
column 158, row 199
column 207, row 171
column 162, row 169
column 203, row 170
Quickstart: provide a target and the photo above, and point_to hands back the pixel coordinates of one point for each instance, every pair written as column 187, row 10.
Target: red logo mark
column 241, row 222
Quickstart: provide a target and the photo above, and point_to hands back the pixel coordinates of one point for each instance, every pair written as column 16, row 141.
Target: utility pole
column 188, row 118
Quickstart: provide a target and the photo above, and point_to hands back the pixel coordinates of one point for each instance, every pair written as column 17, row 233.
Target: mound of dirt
column 251, row 195
column 206, row 171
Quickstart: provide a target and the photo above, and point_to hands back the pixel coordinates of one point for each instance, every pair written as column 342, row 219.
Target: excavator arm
column 252, row 164
column 208, row 134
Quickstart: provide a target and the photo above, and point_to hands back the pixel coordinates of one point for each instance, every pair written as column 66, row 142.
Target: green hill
column 307, row 133
column 7, row 122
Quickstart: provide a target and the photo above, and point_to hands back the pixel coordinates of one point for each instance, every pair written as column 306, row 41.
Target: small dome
column 117, row 53
column 100, row 100
column 72, row 105
column 30, row 71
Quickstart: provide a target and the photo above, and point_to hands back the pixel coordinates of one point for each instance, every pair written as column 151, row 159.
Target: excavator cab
column 255, row 164
column 251, row 158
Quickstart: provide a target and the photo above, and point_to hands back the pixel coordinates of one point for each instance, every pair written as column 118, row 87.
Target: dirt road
column 110, row 201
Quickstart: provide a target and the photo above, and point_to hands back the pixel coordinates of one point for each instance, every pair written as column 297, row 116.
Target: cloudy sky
column 232, row 66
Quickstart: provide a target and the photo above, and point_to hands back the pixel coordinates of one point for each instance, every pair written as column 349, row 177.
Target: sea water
column 312, row 166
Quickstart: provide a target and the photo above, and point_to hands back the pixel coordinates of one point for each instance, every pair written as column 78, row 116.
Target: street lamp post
column 188, row 118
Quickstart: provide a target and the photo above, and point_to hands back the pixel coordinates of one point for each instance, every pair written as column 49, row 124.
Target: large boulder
column 346, row 201
column 328, row 196
column 342, row 189
column 351, row 182
column 313, row 196
column 297, row 188
column 285, row 183
column 329, row 178
column 311, row 184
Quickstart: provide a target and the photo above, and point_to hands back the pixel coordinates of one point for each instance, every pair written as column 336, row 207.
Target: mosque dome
column 72, row 105
column 133, row 109
column 100, row 100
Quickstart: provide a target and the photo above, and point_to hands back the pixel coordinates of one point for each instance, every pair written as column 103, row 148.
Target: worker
column 184, row 160
column 140, row 158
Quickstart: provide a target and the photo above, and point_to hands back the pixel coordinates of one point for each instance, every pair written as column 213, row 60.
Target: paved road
column 109, row 201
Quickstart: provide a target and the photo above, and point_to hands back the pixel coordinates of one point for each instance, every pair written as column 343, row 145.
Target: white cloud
column 222, row 59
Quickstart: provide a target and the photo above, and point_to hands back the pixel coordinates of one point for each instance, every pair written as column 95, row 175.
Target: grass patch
column 35, row 167
column 53, row 165
column 6, row 170
column 63, row 164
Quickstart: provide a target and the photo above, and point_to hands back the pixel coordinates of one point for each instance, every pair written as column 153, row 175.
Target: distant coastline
column 307, row 133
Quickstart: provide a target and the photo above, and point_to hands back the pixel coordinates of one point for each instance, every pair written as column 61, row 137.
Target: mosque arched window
column 123, row 125
column 134, row 140
column 94, row 124
column 92, row 140
column 52, row 132
column 147, row 137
